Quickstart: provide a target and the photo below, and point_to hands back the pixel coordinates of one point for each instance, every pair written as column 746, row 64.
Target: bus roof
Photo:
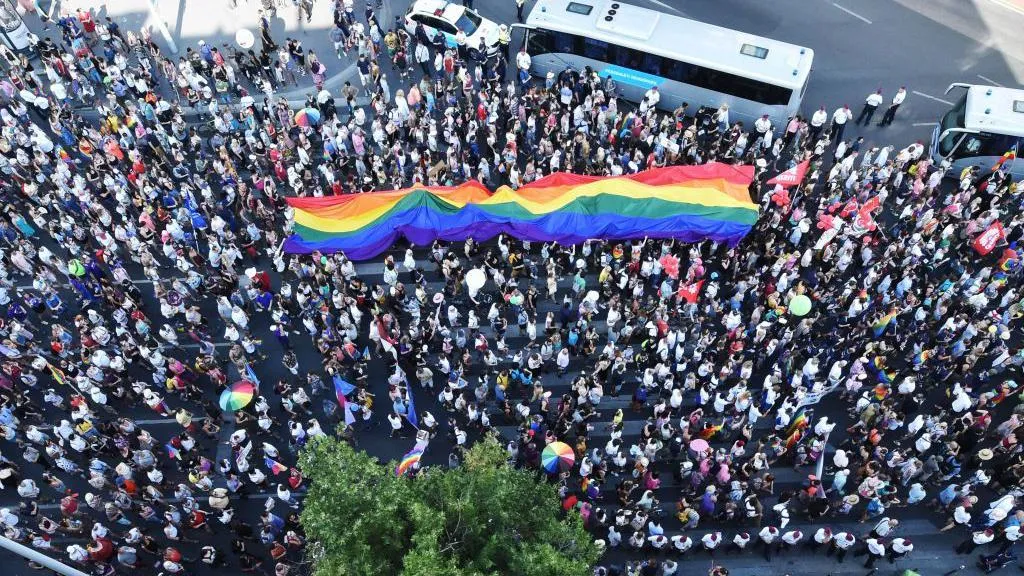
column 778, row 63
column 995, row 109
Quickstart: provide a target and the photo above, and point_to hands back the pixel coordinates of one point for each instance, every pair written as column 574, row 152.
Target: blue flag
column 251, row 374
column 411, row 415
column 366, row 353
column 341, row 386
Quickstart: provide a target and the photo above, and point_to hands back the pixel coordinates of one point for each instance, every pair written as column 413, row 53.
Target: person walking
column 839, row 119
column 817, row 124
column 871, row 104
column 890, row 113
column 519, row 9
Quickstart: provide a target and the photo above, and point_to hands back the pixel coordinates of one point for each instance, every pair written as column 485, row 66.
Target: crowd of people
column 141, row 266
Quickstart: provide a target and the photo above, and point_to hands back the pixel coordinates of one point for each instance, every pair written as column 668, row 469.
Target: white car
column 448, row 18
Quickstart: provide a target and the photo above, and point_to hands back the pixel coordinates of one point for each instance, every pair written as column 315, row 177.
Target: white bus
column 688, row 61
column 983, row 125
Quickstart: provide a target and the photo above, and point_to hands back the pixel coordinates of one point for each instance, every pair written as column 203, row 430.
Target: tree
column 482, row 518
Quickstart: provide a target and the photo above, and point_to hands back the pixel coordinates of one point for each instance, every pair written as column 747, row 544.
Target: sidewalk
column 216, row 22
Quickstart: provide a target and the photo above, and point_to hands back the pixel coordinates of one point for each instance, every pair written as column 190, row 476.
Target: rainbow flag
column 879, row 367
column 410, row 458
column 690, row 203
column 793, row 438
column 922, row 357
column 274, row 466
column 883, row 323
column 57, row 374
column 798, row 422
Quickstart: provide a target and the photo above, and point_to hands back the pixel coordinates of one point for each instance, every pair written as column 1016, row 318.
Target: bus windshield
column 953, row 119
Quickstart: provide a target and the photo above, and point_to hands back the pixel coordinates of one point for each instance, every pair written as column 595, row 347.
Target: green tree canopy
column 482, row 518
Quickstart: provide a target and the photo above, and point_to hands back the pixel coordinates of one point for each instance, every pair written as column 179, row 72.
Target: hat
column 851, row 499
column 985, row 454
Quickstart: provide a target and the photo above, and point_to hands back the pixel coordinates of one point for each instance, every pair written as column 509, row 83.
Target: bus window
column 564, row 43
column 595, row 49
column 953, row 119
column 540, row 42
column 986, row 145
column 652, row 64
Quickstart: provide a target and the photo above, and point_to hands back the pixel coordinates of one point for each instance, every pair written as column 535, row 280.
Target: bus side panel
column 985, row 164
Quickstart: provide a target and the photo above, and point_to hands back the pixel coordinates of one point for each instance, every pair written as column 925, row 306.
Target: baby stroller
column 992, row 562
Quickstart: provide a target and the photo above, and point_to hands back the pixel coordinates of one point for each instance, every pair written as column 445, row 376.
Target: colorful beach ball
column 237, row 396
column 557, row 457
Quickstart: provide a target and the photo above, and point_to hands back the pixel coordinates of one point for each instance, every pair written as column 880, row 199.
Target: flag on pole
column 792, row 177
column 274, row 466
column 411, row 458
column 1010, row 154
column 57, row 374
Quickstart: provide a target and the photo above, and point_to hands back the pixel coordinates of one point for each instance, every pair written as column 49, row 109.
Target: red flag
column 988, row 239
column 690, row 292
column 792, row 177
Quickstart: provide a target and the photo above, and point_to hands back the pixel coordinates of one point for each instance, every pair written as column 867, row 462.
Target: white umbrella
column 247, row 101
column 245, row 39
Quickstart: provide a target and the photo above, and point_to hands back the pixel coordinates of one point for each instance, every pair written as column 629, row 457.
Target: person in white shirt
column 875, row 549
column 523, row 62
column 871, row 103
column 839, row 119
column 884, row 527
column 818, row 120
column 711, row 541
column 899, row 548
column 740, row 542
column 841, row 544
column 790, row 539
column 978, row 538
column 767, row 536
column 681, row 543
column 822, row 537
column 890, row 113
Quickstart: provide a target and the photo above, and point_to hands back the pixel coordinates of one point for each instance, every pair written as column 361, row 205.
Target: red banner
column 987, row 240
column 792, row 177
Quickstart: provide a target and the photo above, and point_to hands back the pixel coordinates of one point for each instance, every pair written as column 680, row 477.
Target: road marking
column 196, row 345
column 665, row 6
column 1009, row 6
column 925, row 124
column 851, row 13
column 990, row 81
column 930, row 97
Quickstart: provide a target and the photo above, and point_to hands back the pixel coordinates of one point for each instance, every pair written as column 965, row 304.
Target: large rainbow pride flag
column 690, row 203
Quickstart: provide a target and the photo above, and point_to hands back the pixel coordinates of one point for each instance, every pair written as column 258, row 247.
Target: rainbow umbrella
column 237, row 396
column 307, row 117
column 557, row 457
